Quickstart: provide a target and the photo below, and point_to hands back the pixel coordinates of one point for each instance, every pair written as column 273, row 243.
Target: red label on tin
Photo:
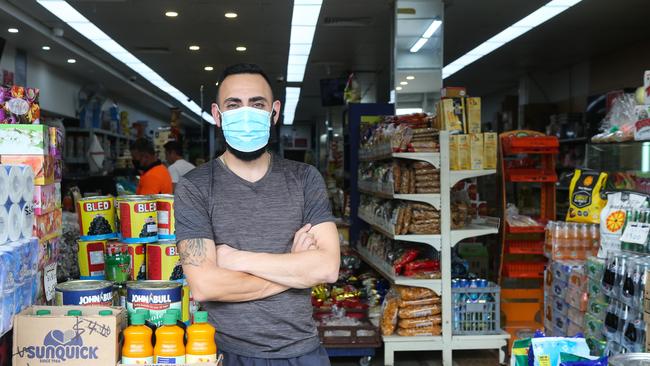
column 171, row 251
column 145, row 207
column 97, row 206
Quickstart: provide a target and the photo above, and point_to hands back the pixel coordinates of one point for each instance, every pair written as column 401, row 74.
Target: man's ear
column 275, row 113
column 216, row 114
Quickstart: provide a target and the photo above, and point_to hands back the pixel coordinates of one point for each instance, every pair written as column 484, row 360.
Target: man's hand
column 303, row 240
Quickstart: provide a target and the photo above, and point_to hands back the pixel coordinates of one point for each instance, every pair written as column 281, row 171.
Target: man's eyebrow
column 232, row 99
column 257, row 99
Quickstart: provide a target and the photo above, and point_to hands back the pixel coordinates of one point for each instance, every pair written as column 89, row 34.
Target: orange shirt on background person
column 155, row 180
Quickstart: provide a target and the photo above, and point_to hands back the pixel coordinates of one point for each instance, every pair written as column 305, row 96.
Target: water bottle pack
column 19, row 283
column 571, row 241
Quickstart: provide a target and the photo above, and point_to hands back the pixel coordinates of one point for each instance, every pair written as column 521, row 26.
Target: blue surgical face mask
column 246, row 129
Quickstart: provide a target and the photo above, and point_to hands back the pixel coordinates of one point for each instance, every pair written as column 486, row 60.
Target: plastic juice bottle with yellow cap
column 169, row 347
column 137, row 349
column 200, row 340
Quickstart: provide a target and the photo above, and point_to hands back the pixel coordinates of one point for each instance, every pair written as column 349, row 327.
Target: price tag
column 636, row 233
column 49, row 280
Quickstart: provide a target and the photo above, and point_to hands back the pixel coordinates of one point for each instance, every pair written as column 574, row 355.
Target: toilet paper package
column 16, row 183
column 47, row 198
column 42, row 166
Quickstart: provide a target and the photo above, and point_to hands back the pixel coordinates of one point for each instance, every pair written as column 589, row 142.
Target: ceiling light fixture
column 532, row 20
column 403, row 83
column 208, row 68
column 171, row 14
column 64, row 11
column 230, row 15
column 217, row 83
column 12, row 30
column 194, row 47
column 303, row 27
column 45, row 48
column 398, row 88
column 71, row 61
column 433, row 27
column 240, row 49
column 410, row 77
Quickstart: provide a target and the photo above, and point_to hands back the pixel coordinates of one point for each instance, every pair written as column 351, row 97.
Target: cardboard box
column 453, row 153
column 49, row 225
column 43, row 166
column 56, row 142
column 646, row 318
column 453, row 92
column 451, row 114
column 464, row 158
column 47, row 198
column 473, row 119
column 24, row 139
column 476, row 151
column 88, row 340
column 490, row 150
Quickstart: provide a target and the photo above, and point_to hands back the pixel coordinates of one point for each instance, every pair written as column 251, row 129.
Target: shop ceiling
column 351, row 36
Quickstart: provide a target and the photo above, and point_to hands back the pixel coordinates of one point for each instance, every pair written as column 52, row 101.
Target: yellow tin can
column 163, row 262
column 91, row 259
column 137, row 251
column 96, row 218
column 138, row 219
column 166, row 221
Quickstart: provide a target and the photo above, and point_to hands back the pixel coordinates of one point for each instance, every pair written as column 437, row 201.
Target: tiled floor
column 461, row 358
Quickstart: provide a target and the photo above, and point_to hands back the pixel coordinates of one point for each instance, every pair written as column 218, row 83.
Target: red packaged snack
column 423, row 265
column 408, row 256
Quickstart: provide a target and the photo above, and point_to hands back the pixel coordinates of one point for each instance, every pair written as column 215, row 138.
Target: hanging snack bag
column 389, row 314
column 585, row 197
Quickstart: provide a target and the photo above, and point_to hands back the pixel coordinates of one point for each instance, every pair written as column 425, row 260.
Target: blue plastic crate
column 476, row 310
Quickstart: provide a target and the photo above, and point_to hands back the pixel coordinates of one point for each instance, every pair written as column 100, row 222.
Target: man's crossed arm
column 221, row 273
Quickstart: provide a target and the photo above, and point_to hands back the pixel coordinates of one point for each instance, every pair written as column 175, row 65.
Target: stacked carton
column 565, row 298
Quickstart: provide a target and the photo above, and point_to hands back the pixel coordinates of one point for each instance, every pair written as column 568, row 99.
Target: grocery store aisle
column 464, row 358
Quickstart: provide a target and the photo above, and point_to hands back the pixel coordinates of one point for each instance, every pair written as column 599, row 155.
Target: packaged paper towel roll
column 4, row 185
column 28, row 179
column 15, row 222
column 27, row 226
column 16, row 183
column 4, row 225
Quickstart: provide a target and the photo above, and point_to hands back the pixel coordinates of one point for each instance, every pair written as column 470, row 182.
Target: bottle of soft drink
column 562, row 241
column 585, row 241
column 594, row 232
column 549, row 242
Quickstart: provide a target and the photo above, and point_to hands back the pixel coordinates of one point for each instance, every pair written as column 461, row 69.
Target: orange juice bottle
column 169, row 342
column 137, row 349
column 200, row 340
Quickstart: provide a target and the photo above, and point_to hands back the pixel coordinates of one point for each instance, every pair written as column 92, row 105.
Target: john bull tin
column 137, row 268
column 138, row 219
column 156, row 296
column 166, row 222
column 84, row 293
column 97, row 218
column 163, row 262
column 91, row 259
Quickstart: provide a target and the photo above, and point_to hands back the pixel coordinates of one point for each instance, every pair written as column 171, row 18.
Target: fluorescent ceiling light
column 532, row 20
column 208, row 68
column 240, row 49
column 433, row 27
column 45, row 48
column 12, row 30
column 230, row 15
column 302, row 34
column 403, row 83
column 171, row 14
column 420, row 42
column 64, row 11
column 299, row 49
column 194, row 47
column 410, row 77
column 71, row 61
column 292, row 95
column 398, row 88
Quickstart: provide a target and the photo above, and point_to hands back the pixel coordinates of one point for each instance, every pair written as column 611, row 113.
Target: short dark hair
column 175, row 147
column 242, row 68
column 143, row 145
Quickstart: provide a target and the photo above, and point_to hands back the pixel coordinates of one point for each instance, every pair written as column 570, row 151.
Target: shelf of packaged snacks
column 456, row 176
column 530, row 176
column 387, row 272
column 432, row 199
column 433, row 239
column 98, row 132
column 480, row 227
column 432, row 158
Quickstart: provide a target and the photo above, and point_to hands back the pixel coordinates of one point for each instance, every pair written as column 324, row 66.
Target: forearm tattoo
column 192, row 252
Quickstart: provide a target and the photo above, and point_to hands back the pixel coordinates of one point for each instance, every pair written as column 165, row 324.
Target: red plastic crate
column 525, row 246
column 531, row 145
column 531, row 175
column 526, row 229
column 524, row 269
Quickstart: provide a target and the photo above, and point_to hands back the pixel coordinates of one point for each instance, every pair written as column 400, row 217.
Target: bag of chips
column 586, row 197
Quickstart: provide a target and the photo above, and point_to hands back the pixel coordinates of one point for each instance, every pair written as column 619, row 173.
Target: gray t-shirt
column 212, row 202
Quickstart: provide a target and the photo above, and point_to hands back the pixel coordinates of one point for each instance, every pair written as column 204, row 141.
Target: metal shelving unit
column 444, row 243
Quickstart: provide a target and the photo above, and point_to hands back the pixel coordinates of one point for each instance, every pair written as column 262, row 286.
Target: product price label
column 49, row 280
column 636, row 233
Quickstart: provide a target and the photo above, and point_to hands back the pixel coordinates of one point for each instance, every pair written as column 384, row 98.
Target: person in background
column 177, row 165
column 154, row 176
